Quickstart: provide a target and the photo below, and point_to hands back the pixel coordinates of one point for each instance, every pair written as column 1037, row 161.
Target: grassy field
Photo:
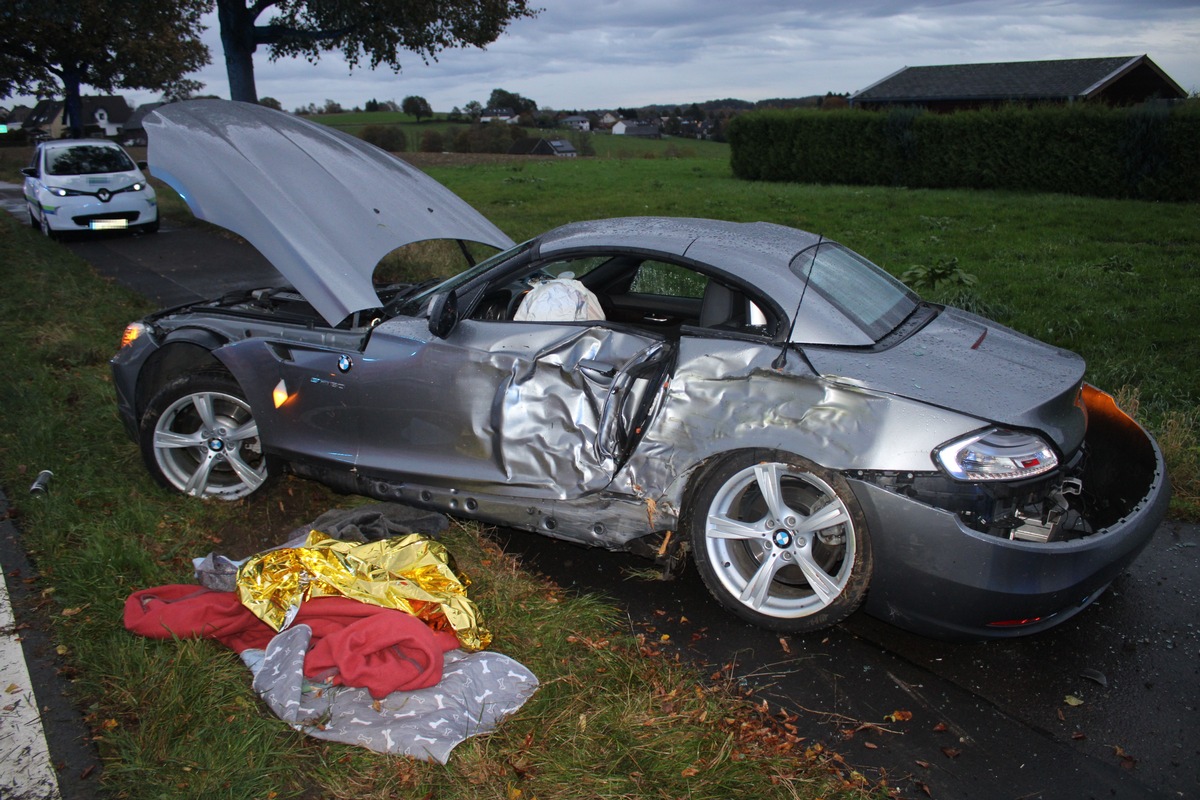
column 605, row 144
column 617, row 715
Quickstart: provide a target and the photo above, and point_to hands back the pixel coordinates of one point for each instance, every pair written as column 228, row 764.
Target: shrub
column 1146, row 152
column 387, row 137
column 432, row 142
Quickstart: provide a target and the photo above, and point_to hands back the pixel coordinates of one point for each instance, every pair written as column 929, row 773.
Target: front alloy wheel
column 47, row 231
column 199, row 437
column 781, row 541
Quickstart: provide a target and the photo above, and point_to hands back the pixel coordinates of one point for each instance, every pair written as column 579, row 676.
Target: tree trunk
column 237, row 39
column 72, row 104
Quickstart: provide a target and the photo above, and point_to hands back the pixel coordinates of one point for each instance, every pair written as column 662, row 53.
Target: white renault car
column 88, row 185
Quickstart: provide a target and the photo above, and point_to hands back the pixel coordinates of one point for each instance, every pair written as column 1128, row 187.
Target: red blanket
column 353, row 644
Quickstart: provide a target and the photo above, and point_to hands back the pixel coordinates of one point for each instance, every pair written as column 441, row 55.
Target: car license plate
column 108, row 224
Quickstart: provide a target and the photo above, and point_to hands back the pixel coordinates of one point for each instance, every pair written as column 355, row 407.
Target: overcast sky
column 588, row 54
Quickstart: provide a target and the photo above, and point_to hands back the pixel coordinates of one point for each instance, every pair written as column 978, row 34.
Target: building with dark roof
column 532, row 146
column 103, row 115
column 1120, row 80
column 133, row 132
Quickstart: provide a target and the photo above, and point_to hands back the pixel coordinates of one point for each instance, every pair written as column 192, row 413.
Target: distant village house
column 1119, row 81
column 576, row 123
column 640, row 129
column 505, row 115
column 103, row 115
column 532, row 146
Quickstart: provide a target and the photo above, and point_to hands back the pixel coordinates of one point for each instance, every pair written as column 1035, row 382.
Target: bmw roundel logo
column 782, row 539
column 345, row 363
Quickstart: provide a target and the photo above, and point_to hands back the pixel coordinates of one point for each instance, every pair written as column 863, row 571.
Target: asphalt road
column 1104, row 706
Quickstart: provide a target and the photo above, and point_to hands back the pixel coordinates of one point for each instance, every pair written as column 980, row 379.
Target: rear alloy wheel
column 199, row 437
column 780, row 541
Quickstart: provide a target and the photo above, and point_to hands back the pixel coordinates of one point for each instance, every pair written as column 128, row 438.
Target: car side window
column 668, row 280
column 578, row 267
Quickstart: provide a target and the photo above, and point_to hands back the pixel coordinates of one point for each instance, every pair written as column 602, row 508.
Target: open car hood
column 324, row 207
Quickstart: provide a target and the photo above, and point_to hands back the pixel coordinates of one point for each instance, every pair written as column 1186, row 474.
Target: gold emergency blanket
column 411, row 573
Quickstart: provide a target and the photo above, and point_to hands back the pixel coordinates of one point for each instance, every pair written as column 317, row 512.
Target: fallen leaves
column 1127, row 761
column 589, row 643
column 1072, row 700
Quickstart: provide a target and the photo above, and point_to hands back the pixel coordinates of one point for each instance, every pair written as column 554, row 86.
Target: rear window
column 872, row 299
column 86, row 159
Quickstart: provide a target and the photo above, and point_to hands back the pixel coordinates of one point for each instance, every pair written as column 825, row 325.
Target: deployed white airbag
column 559, row 300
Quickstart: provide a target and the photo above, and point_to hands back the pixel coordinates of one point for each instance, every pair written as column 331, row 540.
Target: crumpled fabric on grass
column 317, row 677
column 381, row 650
column 476, row 693
column 411, row 573
column 365, row 523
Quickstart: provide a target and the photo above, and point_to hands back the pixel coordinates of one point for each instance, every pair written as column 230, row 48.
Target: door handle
column 600, row 368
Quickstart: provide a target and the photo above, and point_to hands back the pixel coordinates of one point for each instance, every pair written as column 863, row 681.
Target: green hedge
column 1151, row 153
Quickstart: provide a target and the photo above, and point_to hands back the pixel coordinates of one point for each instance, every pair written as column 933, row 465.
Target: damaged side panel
column 725, row 396
column 495, row 403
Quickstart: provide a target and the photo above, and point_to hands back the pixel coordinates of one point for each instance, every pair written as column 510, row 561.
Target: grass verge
column 615, row 717
column 1113, row 280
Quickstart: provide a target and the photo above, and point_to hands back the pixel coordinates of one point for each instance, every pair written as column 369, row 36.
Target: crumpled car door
column 544, row 410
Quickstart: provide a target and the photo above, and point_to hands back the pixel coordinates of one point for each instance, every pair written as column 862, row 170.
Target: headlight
column 996, row 454
column 58, row 191
column 132, row 332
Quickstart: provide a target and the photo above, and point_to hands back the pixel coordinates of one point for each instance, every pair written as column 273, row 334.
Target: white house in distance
column 576, row 122
column 640, row 129
column 505, row 115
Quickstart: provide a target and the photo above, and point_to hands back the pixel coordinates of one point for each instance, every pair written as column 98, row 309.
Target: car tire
column 780, row 541
column 33, row 220
column 149, row 227
column 47, row 231
column 198, row 436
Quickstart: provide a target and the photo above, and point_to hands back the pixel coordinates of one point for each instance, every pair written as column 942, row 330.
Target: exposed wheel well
column 171, row 361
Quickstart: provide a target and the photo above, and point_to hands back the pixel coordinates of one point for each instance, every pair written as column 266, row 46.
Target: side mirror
column 29, row 172
column 443, row 313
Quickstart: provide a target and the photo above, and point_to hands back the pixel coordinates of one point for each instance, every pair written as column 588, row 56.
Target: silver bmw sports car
column 757, row 398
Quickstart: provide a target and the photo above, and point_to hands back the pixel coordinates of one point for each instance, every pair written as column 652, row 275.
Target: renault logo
column 105, row 195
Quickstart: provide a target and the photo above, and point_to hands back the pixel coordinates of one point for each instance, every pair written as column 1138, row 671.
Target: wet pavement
column 1103, row 706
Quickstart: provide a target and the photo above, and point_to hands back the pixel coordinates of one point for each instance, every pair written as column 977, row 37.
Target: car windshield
column 413, row 304
column 86, row 159
column 871, row 298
